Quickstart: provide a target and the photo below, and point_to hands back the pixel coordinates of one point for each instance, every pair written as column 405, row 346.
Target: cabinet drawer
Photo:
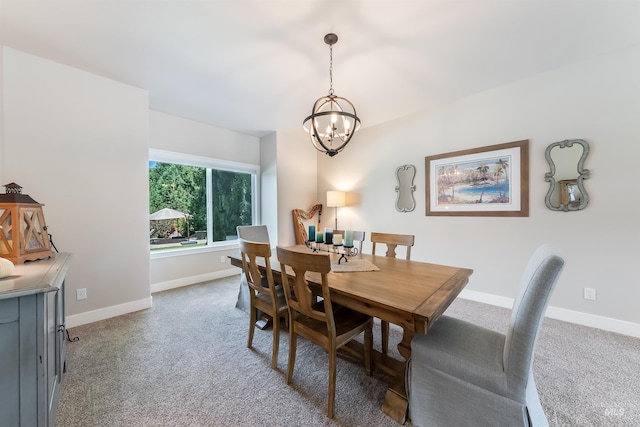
column 8, row 310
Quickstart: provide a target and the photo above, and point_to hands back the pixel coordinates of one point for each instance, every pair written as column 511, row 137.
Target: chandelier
column 333, row 120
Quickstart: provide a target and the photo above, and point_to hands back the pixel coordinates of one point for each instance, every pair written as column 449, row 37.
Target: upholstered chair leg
column 276, row 342
column 384, row 329
column 292, row 353
column 332, row 381
column 252, row 325
column 368, row 349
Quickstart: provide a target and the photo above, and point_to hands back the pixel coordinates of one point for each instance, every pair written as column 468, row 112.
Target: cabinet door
column 19, row 367
column 9, row 368
column 55, row 349
column 51, row 347
column 61, row 353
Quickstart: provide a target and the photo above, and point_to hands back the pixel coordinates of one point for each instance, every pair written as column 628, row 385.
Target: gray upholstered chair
column 251, row 233
column 461, row 374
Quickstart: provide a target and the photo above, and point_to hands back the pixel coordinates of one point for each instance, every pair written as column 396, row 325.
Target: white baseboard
column 585, row 319
column 571, row 316
column 487, row 298
column 130, row 307
column 107, row 312
column 192, row 280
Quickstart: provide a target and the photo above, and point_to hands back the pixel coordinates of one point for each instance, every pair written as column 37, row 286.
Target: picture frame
column 484, row 181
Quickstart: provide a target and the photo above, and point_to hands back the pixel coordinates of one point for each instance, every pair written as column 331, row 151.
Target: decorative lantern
column 23, row 232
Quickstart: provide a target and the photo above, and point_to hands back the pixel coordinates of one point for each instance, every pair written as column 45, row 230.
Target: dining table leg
column 404, row 346
column 396, row 403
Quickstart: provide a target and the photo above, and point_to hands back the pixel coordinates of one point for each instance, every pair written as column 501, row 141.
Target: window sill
column 215, row 247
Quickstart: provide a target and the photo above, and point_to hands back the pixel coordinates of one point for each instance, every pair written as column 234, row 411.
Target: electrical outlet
column 590, row 294
column 81, row 294
column 223, row 258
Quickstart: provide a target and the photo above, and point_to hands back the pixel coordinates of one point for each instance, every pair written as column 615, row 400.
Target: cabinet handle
column 63, row 329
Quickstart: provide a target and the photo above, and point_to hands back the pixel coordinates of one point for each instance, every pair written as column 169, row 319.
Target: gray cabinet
column 32, row 342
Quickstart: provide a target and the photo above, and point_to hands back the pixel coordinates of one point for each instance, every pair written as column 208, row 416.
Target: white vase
column 6, row 267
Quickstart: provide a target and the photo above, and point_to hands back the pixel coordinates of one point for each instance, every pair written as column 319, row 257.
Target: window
column 197, row 202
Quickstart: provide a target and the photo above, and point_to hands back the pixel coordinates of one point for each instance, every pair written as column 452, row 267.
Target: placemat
column 353, row 265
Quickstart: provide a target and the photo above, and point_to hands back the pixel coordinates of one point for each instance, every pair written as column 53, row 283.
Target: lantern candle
column 24, row 236
column 312, row 233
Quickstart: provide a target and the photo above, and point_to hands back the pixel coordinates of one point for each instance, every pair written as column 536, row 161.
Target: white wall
column 186, row 136
column 297, row 181
column 2, row 156
column 599, row 101
column 269, row 182
column 173, row 133
column 78, row 143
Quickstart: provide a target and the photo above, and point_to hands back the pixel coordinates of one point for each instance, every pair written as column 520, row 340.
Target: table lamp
column 336, row 199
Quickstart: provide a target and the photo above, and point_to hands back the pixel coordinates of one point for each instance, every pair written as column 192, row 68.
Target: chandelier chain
column 330, row 69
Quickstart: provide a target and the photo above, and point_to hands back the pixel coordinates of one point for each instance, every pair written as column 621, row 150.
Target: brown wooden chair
column 392, row 241
column 324, row 323
column 262, row 291
column 358, row 236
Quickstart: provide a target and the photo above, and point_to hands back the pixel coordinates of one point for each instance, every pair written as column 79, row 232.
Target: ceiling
column 256, row 66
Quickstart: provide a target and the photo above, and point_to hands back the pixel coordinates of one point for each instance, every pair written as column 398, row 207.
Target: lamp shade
column 336, row 199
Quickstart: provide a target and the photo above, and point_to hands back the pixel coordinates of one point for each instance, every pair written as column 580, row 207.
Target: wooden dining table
column 411, row 294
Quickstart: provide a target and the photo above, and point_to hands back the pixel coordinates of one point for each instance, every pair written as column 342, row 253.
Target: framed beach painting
column 485, row 181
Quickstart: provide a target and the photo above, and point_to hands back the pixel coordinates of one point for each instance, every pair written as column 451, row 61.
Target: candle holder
column 313, row 245
column 347, row 252
column 336, row 249
column 316, row 246
column 342, row 250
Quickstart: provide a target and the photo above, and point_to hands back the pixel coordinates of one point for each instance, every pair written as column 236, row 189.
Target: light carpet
column 184, row 362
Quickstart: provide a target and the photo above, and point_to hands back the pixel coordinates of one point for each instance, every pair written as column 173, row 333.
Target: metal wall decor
column 405, row 175
column 566, row 175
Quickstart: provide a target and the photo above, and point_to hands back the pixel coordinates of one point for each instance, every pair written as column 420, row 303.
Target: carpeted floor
column 184, row 362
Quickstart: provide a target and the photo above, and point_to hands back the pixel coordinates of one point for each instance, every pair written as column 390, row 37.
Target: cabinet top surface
column 35, row 276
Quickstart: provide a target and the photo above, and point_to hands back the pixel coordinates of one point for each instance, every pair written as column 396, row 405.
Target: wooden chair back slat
column 317, row 321
column 250, row 251
column 274, row 306
column 298, row 294
column 393, row 241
